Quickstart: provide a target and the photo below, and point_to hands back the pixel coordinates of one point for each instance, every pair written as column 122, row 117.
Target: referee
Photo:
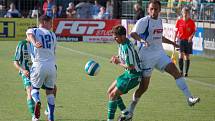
column 185, row 30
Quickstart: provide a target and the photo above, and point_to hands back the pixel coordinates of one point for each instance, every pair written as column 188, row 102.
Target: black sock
column 181, row 64
column 187, row 65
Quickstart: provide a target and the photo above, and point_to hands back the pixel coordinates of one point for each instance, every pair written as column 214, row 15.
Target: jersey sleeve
column 30, row 31
column 140, row 26
column 17, row 55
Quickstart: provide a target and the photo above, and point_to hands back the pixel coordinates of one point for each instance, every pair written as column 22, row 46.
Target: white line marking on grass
column 83, row 53
column 104, row 58
column 201, row 83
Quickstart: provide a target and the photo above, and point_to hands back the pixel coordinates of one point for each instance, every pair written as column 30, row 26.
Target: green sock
column 112, row 105
column 121, row 105
column 30, row 103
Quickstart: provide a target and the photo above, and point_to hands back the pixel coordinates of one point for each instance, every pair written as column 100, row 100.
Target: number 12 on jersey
column 46, row 41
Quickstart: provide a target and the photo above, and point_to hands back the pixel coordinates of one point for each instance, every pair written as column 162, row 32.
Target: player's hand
column 26, row 73
column 145, row 43
column 38, row 45
column 115, row 60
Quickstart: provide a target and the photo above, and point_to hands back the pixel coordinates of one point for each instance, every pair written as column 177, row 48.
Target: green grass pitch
column 83, row 98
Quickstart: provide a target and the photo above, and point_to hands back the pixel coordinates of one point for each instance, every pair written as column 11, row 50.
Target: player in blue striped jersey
column 128, row 59
column 23, row 63
column 43, row 71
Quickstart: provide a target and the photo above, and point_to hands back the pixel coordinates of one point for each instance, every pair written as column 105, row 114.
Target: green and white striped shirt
column 22, row 55
column 129, row 56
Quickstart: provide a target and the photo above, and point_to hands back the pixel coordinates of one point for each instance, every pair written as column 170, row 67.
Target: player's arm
column 140, row 26
column 18, row 67
column 31, row 38
column 137, row 37
column 116, row 60
column 165, row 40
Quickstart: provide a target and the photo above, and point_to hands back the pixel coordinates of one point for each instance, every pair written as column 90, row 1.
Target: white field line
column 104, row 58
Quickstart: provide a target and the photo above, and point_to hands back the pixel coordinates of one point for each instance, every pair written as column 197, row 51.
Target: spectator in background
column 12, row 12
column 139, row 13
column 83, row 10
column 47, row 7
column 54, row 13
column 70, row 11
column 185, row 30
column 102, row 14
column 95, row 9
column 60, row 11
column 109, row 9
column 2, row 10
column 37, row 11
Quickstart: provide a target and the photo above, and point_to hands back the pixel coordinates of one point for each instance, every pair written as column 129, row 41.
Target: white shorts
column 159, row 62
column 45, row 73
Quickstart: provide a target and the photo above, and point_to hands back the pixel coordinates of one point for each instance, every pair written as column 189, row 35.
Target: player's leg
column 147, row 66
column 187, row 64
column 30, row 101
column 49, row 83
column 143, row 86
column 37, row 76
column 181, row 62
column 112, row 103
column 46, row 112
column 51, row 103
column 181, row 56
column 187, row 57
column 180, row 82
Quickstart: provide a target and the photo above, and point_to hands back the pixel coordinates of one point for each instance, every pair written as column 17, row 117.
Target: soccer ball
column 92, row 68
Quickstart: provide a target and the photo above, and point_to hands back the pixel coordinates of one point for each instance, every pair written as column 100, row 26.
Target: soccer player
column 185, row 31
column 43, row 70
column 128, row 59
column 149, row 31
column 22, row 62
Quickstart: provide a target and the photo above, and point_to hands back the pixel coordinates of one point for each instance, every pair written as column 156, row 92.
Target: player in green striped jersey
column 22, row 62
column 128, row 59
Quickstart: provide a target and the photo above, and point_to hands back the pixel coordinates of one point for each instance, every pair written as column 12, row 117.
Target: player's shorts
column 186, row 47
column 44, row 73
column 26, row 81
column 159, row 62
column 126, row 81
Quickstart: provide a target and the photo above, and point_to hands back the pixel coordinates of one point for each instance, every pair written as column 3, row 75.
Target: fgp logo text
column 7, row 29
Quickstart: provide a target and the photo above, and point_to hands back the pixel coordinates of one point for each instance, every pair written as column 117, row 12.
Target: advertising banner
column 198, row 41
column 209, row 39
column 169, row 33
column 15, row 28
column 84, row 30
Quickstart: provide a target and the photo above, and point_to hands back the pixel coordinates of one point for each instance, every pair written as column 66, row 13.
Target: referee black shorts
column 186, row 47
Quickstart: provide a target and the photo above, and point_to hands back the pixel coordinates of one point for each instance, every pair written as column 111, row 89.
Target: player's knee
column 112, row 95
column 28, row 91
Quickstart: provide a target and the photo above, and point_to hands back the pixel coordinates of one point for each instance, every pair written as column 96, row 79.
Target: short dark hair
column 119, row 30
column 155, row 2
column 44, row 18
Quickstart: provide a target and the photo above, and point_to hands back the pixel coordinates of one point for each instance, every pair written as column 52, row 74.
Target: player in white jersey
column 43, row 71
column 148, row 31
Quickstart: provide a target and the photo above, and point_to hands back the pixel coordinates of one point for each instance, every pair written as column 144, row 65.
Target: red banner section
column 84, row 30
